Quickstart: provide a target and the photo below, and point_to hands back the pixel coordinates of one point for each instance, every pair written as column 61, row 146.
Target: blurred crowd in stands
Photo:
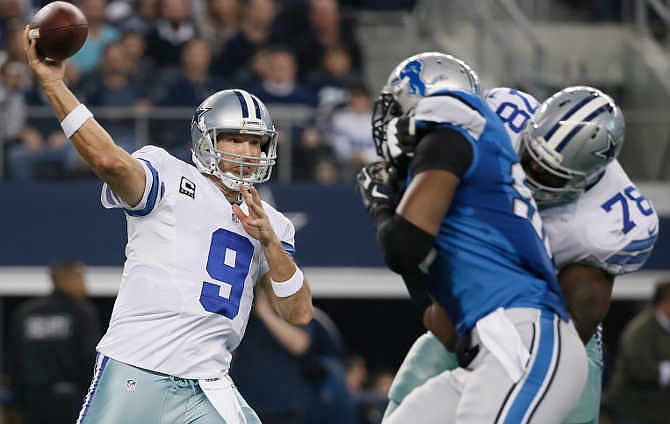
column 301, row 57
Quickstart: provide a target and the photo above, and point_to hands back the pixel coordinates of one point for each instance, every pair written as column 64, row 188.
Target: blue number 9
column 228, row 262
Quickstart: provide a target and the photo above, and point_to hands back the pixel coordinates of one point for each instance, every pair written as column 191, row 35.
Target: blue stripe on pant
column 100, row 363
column 539, row 378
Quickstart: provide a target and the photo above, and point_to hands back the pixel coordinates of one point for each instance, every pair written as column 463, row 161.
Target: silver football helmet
column 416, row 77
column 566, row 146
column 233, row 112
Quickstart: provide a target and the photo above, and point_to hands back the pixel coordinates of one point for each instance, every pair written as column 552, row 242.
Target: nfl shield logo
column 130, row 385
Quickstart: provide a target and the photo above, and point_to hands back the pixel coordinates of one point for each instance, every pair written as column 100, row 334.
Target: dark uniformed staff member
column 52, row 349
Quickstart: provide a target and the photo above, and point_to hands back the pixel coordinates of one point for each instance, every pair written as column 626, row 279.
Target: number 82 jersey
column 188, row 279
column 611, row 226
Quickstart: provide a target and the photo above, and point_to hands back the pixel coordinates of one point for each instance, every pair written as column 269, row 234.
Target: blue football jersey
column 491, row 249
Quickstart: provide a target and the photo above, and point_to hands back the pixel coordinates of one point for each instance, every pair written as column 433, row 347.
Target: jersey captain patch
column 187, row 187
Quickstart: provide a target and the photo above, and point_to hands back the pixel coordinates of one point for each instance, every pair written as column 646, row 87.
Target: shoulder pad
column 450, row 110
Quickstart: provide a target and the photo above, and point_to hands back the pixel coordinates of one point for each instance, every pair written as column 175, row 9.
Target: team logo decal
column 187, row 187
column 131, row 384
column 199, row 117
column 609, row 151
column 412, row 71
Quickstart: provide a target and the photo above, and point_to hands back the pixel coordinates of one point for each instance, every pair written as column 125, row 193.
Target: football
column 60, row 29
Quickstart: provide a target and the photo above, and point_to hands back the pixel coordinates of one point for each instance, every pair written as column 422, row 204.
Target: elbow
column 108, row 164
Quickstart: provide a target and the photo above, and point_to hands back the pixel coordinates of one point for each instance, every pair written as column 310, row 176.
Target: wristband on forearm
column 75, row 119
column 289, row 287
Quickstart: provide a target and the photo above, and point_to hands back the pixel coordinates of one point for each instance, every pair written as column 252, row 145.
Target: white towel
column 499, row 335
column 221, row 394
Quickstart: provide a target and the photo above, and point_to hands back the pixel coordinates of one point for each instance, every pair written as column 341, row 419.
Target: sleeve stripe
column 289, row 249
column 628, row 259
column 153, row 194
column 636, row 245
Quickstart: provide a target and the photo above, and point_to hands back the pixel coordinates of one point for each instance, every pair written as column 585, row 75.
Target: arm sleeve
column 444, row 149
column 151, row 159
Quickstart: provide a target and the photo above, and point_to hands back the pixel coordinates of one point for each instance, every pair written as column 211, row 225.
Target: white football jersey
column 612, row 226
column 188, row 279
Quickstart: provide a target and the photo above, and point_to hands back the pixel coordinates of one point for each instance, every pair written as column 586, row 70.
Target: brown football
column 60, row 29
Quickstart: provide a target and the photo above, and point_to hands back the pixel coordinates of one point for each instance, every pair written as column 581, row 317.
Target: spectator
column 53, row 348
column 255, row 32
column 220, row 21
column 10, row 17
column 142, row 17
column 351, row 137
column 14, row 47
column 188, row 88
column 279, row 84
column 329, row 400
column 12, row 100
column 34, row 157
column 313, row 158
column 29, row 154
column 357, row 374
column 331, row 81
column 271, row 352
column 303, row 376
column 100, row 34
column 194, row 82
column 172, row 31
column 112, row 86
column 326, row 29
column 640, row 387
column 141, row 67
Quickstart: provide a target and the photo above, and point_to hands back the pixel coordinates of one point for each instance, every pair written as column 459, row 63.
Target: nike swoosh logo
column 652, row 230
column 376, row 193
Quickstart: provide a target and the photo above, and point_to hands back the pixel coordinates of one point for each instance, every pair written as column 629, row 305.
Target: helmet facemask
column 552, row 184
column 242, row 170
column 385, row 108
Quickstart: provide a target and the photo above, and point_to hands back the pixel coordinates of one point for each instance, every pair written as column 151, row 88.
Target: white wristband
column 289, row 287
column 75, row 119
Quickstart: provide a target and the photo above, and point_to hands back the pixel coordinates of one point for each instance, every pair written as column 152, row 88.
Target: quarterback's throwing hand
column 256, row 223
column 376, row 187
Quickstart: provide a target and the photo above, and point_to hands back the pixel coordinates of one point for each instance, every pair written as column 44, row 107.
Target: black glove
column 378, row 188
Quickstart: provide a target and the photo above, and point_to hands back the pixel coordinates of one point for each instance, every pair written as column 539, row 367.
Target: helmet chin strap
column 232, row 195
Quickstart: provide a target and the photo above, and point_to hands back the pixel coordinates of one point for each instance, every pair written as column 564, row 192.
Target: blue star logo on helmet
column 412, row 71
column 609, row 151
column 199, row 116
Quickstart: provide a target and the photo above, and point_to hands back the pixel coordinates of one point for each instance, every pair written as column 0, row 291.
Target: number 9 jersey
column 188, row 279
column 611, row 226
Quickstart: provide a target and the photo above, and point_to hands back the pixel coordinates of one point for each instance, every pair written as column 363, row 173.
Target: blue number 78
column 631, row 193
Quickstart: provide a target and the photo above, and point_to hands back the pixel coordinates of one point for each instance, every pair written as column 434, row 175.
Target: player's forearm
column 281, row 264
column 297, row 308
column 587, row 291
column 92, row 142
column 109, row 162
